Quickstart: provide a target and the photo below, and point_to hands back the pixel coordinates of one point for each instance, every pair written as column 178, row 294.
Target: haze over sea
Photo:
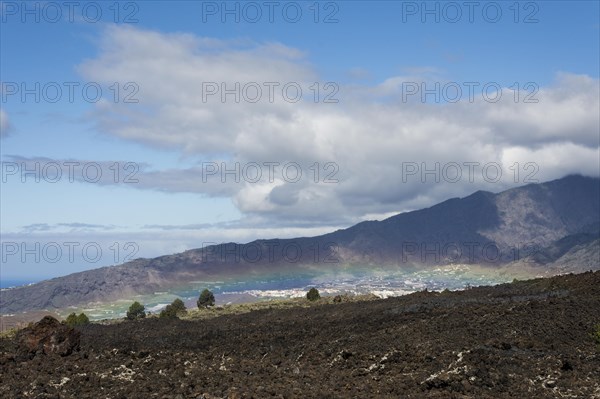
column 7, row 283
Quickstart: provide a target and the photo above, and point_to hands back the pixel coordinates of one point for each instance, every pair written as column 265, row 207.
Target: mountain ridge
column 518, row 224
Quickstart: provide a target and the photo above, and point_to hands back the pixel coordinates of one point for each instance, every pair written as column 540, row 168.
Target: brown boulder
column 47, row 336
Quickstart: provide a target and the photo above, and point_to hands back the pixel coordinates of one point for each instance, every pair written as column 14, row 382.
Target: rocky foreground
column 530, row 339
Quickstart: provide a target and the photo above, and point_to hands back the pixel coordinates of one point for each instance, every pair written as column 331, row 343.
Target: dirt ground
column 530, row 339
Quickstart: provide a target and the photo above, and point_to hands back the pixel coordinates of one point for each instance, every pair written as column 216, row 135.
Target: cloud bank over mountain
column 374, row 135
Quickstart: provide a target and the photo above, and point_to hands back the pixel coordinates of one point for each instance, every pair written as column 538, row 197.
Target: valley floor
column 527, row 339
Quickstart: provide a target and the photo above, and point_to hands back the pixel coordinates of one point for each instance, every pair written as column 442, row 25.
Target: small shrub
column 206, row 299
column 73, row 320
column 136, row 311
column 313, row 294
column 337, row 299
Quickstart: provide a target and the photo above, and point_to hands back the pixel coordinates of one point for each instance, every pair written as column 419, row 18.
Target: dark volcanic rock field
column 528, row 339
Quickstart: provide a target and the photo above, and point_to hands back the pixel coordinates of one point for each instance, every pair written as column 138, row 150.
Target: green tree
column 168, row 313
column 73, row 320
column 136, row 311
column 175, row 309
column 206, row 299
column 313, row 294
column 179, row 306
column 82, row 319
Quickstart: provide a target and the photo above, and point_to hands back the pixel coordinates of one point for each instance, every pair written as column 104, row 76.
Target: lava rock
column 47, row 336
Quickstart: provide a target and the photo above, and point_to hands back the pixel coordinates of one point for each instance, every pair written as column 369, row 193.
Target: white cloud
column 4, row 125
column 370, row 134
column 556, row 158
column 567, row 111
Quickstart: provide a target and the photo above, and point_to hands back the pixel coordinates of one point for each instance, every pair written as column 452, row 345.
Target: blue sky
column 371, row 53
